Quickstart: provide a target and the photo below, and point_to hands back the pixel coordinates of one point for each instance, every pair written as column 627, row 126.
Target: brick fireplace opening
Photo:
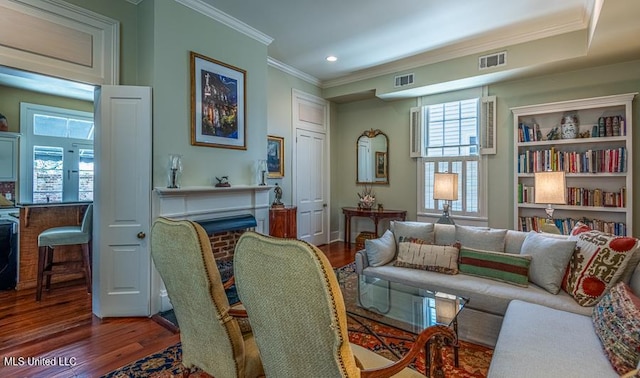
column 225, row 232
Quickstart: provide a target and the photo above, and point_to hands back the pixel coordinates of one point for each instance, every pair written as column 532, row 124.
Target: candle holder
column 174, row 171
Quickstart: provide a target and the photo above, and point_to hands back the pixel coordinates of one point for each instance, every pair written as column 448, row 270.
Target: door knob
column 141, row 235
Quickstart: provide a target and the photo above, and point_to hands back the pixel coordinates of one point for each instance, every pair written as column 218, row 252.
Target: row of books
column 612, row 160
column 528, row 133
column 565, row 225
column 580, row 196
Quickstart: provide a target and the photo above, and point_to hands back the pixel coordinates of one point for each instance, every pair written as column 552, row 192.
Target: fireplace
column 225, row 213
column 224, row 233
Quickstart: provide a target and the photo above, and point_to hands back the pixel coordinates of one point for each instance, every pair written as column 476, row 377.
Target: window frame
column 71, row 186
column 481, row 215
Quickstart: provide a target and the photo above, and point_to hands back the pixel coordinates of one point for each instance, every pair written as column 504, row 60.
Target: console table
column 376, row 215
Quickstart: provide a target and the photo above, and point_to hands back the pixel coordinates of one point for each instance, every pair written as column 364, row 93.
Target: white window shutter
column 416, row 133
column 488, row 145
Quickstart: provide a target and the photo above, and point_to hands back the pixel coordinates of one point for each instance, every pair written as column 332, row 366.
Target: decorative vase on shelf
column 174, row 171
column 569, row 126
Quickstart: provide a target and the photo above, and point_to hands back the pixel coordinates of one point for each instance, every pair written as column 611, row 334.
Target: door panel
column 122, row 201
column 311, row 188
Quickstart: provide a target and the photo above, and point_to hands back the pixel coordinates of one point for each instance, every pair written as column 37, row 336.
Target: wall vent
column 402, row 80
column 492, row 60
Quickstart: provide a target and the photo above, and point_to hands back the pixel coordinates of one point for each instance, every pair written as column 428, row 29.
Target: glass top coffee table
column 399, row 306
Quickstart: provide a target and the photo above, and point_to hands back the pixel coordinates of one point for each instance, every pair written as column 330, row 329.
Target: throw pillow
column 616, row 319
column 481, row 238
column 499, row 266
column 580, row 227
column 597, row 264
column 549, row 259
column 382, row 250
column 418, row 254
column 418, row 230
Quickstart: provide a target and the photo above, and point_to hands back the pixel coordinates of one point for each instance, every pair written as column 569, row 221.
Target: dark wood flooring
column 61, row 331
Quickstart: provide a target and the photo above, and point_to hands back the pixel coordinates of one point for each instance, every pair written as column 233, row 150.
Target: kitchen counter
column 27, row 208
column 35, row 218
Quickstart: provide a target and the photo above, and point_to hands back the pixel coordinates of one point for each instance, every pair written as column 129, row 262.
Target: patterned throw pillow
column 499, row 266
column 419, row 254
column 597, row 264
column 616, row 319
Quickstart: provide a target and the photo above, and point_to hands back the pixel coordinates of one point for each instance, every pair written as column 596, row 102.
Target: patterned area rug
column 473, row 359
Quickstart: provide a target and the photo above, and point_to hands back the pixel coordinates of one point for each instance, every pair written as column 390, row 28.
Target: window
column 58, row 151
column 451, row 145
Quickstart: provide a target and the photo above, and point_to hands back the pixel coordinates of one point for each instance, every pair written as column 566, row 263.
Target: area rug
column 473, row 359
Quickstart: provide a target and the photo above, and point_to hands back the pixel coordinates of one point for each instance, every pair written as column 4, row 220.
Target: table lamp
column 445, row 187
column 550, row 188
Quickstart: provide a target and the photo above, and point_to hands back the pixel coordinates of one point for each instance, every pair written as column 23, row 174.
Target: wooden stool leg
column 48, row 267
column 42, row 255
column 87, row 265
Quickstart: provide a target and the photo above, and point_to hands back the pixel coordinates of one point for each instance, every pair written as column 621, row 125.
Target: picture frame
column 381, row 164
column 275, row 156
column 218, row 103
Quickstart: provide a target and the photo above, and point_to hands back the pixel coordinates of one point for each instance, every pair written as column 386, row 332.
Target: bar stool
column 59, row 236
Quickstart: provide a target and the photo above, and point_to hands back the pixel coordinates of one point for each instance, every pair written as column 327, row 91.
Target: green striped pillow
column 499, row 266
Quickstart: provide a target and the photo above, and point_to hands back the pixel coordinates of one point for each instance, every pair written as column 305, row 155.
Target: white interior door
column 122, row 200
column 311, row 191
column 311, row 166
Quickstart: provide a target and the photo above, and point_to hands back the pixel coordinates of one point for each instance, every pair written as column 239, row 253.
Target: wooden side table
column 376, row 215
column 283, row 222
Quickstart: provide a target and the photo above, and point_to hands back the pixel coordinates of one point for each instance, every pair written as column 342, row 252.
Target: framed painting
column 381, row 164
column 275, row 156
column 218, row 97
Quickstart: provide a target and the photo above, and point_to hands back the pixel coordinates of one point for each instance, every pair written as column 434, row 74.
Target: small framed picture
column 218, row 96
column 275, row 156
column 381, row 164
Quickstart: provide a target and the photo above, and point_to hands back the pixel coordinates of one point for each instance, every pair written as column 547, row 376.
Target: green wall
column 392, row 117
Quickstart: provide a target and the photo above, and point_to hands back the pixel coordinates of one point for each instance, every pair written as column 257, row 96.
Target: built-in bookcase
column 597, row 162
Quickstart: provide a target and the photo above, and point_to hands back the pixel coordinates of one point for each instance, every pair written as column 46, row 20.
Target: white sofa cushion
column 549, row 259
column 483, row 294
column 537, row 341
column 481, row 238
column 418, row 230
column 382, row 250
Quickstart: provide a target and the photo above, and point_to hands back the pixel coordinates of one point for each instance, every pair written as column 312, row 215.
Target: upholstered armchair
column 298, row 315
column 211, row 338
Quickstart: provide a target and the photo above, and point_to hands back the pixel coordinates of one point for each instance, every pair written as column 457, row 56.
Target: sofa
column 535, row 315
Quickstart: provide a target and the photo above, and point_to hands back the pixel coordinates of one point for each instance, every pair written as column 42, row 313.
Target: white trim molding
column 292, row 71
column 227, row 20
column 66, row 41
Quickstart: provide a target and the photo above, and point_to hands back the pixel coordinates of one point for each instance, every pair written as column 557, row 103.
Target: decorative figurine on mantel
column 223, row 182
column 277, row 202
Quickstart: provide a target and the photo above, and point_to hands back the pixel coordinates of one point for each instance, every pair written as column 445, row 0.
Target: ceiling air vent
column 492, row 60
column 403, row 80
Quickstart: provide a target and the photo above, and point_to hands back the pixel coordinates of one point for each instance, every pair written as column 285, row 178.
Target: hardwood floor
column 66, row 340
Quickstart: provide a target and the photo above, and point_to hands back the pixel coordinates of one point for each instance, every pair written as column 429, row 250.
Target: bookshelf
column 596, row 157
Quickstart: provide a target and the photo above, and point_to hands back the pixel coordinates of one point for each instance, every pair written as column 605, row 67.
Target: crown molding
column 134, row 2
column 459, row 50
column 223, row 18
column 292, row 71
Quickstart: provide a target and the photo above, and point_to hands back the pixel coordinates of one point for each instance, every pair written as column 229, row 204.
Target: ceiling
column 376, row 37
column 373, row 37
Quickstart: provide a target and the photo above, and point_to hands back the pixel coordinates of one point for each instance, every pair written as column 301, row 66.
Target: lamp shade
column 550, row 188
column 445, row 186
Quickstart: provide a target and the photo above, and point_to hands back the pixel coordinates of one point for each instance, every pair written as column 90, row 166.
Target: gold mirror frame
column 372, row 158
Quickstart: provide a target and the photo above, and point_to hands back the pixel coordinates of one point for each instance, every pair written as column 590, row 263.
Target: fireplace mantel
column 206, row 202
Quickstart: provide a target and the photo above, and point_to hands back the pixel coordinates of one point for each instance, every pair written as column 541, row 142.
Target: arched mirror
column 372, row 158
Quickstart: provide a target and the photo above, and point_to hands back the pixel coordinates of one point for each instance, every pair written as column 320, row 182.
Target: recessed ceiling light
column 331, row 58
